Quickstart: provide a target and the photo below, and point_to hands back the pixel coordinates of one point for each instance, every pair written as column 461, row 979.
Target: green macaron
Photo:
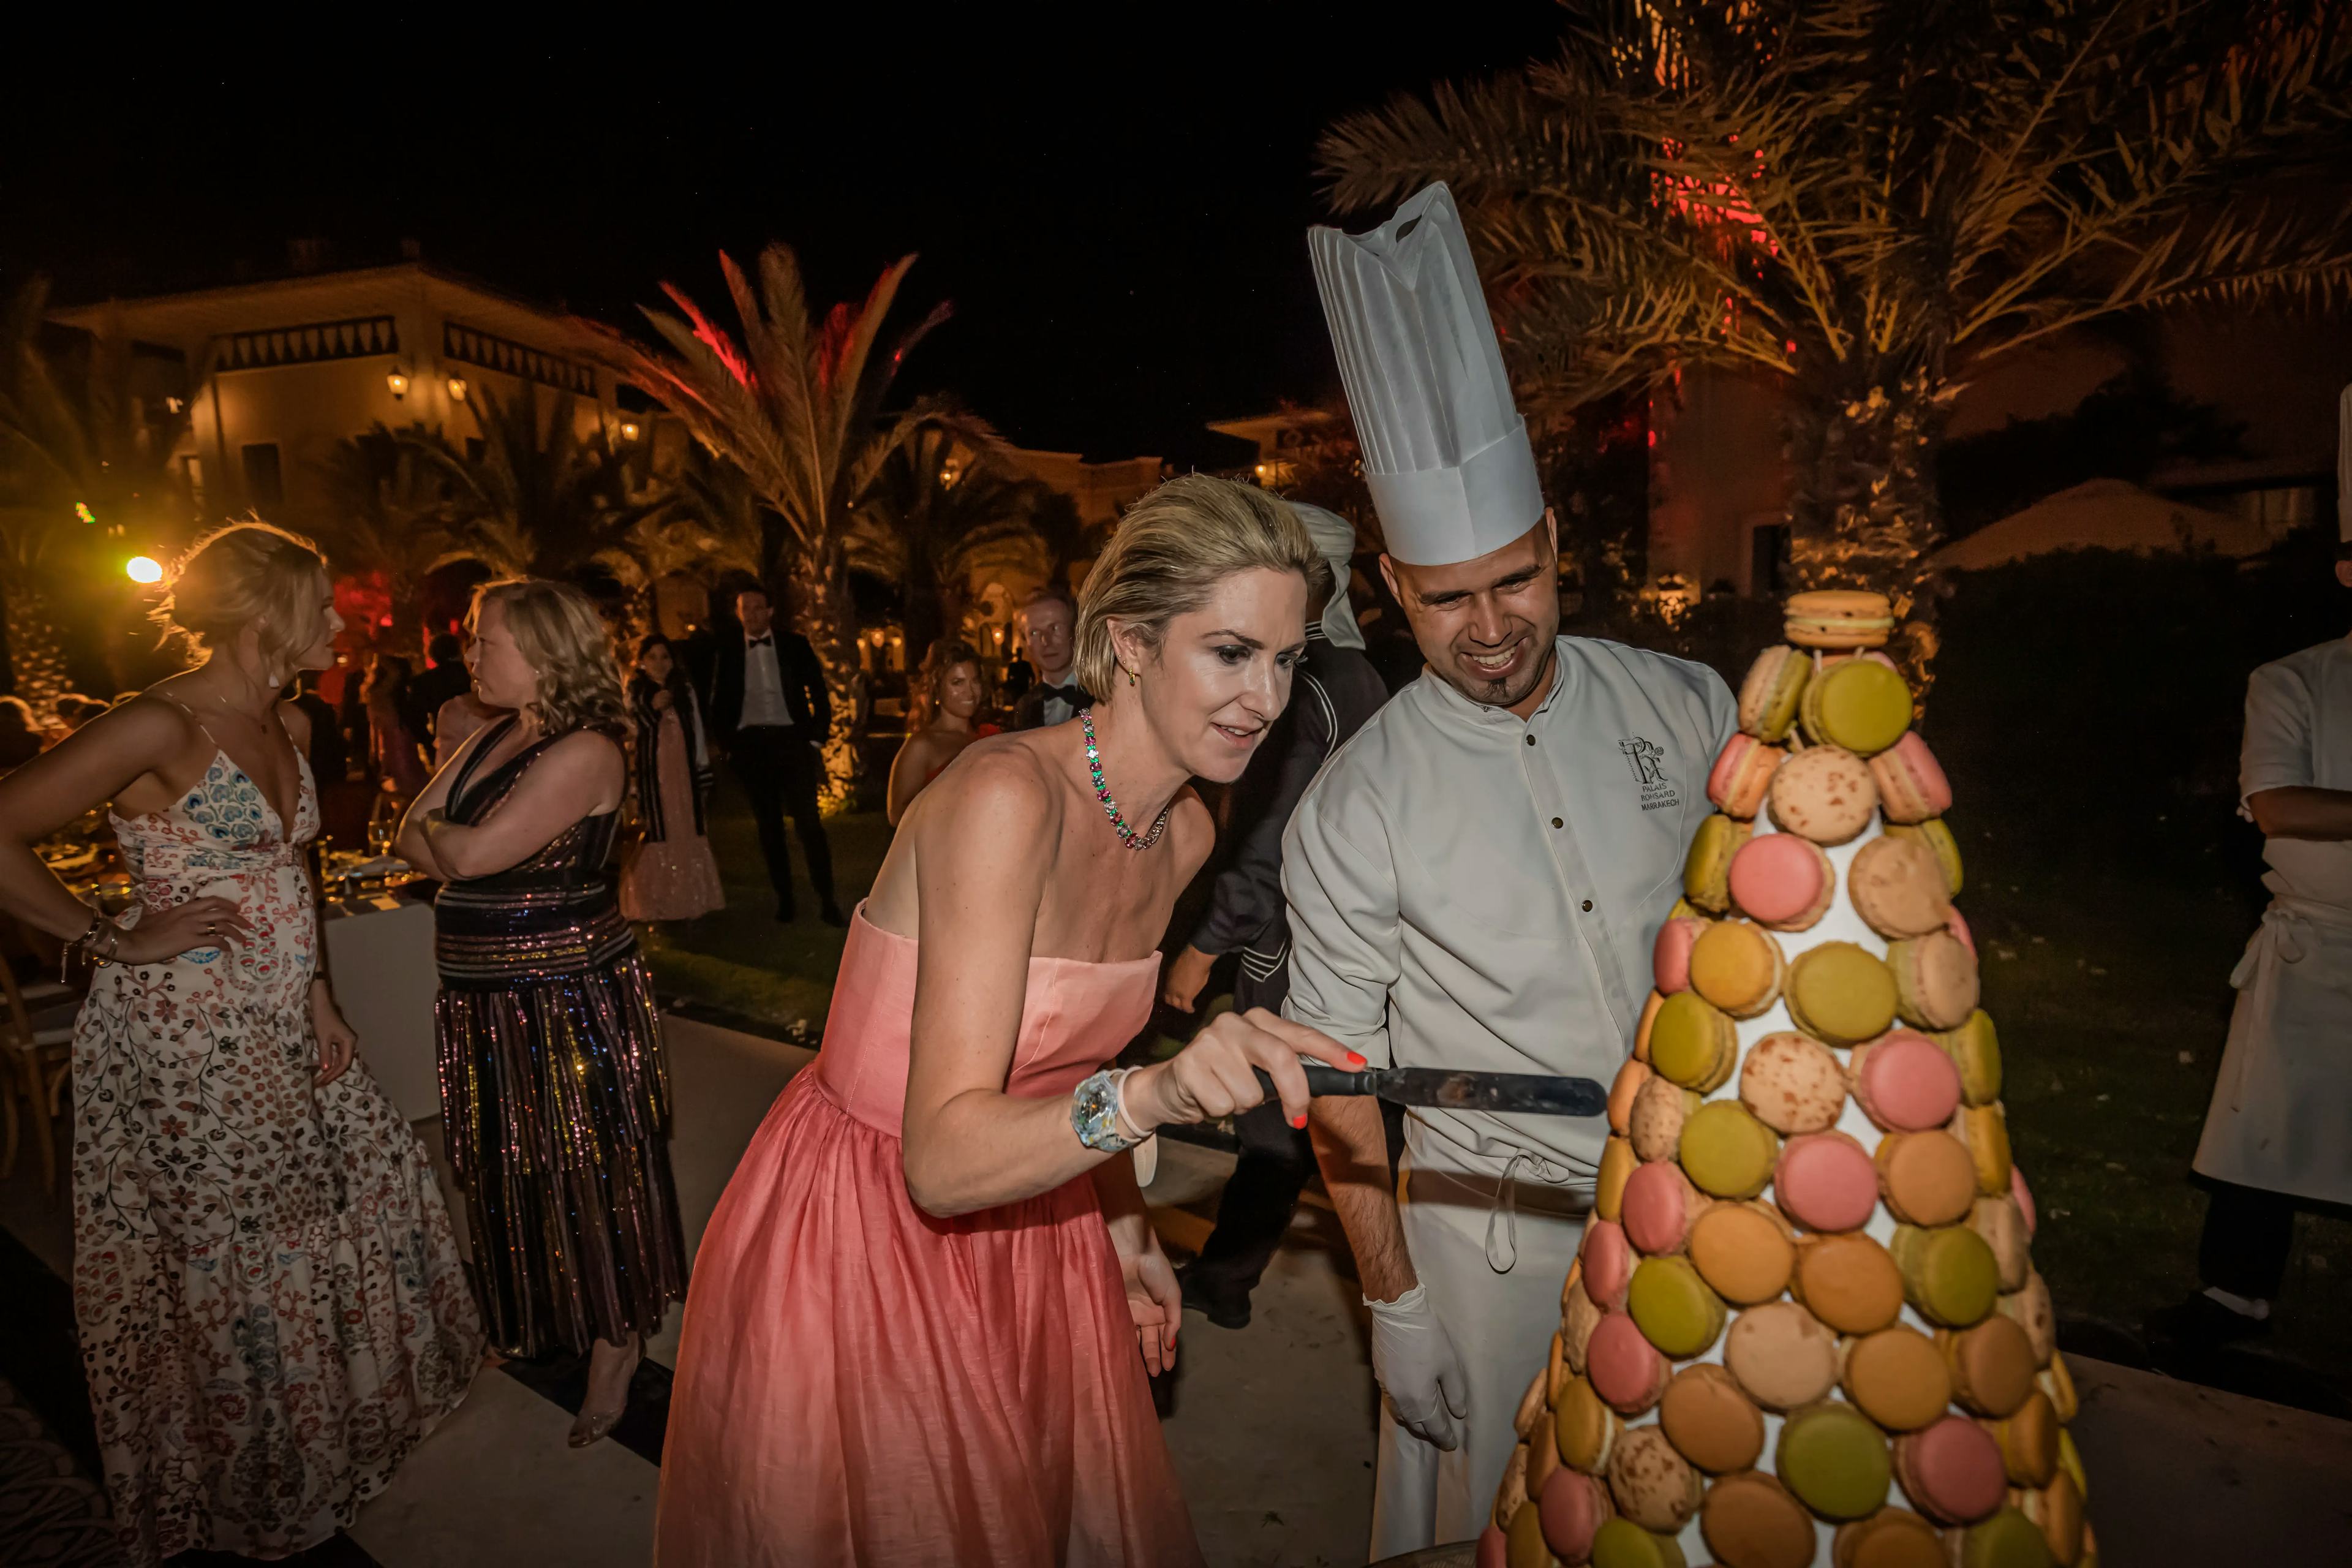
column 1860, row 704
column 1840, row 992
column 1950, row 1275
column 1835, row 1459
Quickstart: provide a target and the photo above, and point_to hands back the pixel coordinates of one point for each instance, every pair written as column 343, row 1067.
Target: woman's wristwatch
column 1094, row 1113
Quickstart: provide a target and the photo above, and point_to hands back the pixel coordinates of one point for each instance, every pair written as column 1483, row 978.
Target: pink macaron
column 1571, row 1508
column 1951, row 1471
column 1670, row 954
column 1608, row 1262
column 1661, row 1207
column 1626, row 1369
column 1494, row 1548
column 2024, row 1196
column 1911, row 782
column 1905, row 1082
column 1741, row 774
column 1825, row 1182
column 1781, row 881
column 1959, row 929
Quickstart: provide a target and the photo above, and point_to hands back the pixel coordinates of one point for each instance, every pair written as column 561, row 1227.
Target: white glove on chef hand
column 1414, row 1358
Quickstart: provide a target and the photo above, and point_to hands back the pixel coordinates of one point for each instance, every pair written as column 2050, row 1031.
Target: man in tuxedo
column 769, row 711
column 1049, row 621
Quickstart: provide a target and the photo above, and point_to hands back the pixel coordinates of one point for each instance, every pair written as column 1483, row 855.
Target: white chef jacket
column 2281, row 1116
column 763, row 686
column 1469, row 890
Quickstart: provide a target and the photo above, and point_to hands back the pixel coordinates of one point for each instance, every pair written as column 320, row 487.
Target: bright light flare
column 144, row 569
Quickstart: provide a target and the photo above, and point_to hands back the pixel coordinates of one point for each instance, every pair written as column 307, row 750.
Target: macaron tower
column 1805, row 1326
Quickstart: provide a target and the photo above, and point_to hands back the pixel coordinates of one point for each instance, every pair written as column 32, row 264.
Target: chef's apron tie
column 2284, row 937
column 1505, row 1206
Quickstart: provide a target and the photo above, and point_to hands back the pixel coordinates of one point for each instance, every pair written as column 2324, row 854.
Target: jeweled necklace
column 1126, row 836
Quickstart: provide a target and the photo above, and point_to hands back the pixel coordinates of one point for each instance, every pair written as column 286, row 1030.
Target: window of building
column 1768, row 559
column 193, row 468
column 265, row 481
column 2281, row 508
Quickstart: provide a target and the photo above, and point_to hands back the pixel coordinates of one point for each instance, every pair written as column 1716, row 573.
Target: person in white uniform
column 2279, row 1131
column 1477, row 879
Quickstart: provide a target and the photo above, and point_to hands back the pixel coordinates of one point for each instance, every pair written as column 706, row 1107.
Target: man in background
column 446, row 677
column 1049, row 622
column 771, row 713
column 1336, row 690
column 331, row 755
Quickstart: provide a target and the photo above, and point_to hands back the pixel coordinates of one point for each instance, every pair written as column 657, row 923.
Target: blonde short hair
column 557, row 629
column 242, row 574
column 1173, row 548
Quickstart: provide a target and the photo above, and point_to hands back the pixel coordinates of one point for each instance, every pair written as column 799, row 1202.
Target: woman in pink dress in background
column 920, row 1320
column 668, row 874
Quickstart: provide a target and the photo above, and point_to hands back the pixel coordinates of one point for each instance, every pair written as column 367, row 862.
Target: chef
column 2278, row 1129
column 1477, row 879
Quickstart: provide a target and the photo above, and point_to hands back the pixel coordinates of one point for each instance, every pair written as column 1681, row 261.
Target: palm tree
column 938, row 512
column 391, row 518
column 539, row 500
column 797, row 407
column 1870, row 202
column 83, row 458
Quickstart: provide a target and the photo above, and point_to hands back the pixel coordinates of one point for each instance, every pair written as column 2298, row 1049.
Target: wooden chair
column 35, row 1061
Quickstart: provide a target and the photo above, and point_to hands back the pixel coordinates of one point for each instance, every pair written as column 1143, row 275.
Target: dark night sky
column 1117, row 209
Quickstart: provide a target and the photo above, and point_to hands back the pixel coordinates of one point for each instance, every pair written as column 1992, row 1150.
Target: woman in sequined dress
column 273, row 1309
column 555, row 1101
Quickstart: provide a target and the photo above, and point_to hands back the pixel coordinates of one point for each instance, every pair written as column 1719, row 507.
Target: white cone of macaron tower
column 1804, row 1327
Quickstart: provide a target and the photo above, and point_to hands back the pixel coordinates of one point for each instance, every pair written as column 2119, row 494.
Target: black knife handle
column 1322, row 1079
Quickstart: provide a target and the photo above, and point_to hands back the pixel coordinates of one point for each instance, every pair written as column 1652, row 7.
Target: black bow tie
column 1072, row 694
column 761, row 642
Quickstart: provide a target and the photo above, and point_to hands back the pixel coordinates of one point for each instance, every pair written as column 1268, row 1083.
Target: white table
column 380, row 961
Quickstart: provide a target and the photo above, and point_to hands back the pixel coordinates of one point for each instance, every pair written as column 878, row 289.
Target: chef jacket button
column 1531, row 740
column 1556, row 822
column 1588, row 906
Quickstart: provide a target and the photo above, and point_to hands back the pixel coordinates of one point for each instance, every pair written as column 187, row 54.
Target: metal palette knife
column 1514, row 1093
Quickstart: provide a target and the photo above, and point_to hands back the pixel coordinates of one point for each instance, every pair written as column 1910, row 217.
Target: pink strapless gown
column 859, row 1382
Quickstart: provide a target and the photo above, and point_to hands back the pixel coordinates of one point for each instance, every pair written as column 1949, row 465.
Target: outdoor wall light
column 629, row 430
column 1264, row 469
column 143, row 569
column 457, row 389
column 398, row 382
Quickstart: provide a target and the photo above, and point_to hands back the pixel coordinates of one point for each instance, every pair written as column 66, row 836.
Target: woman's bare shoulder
column 997, row 784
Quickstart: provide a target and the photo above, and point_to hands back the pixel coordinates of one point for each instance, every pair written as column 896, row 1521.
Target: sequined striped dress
column 555, row 1099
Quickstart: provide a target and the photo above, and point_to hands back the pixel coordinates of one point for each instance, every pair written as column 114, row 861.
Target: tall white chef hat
column 1446, row 452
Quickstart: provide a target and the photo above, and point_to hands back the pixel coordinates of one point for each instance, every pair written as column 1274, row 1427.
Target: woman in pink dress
column 668, row 874
column 922, row 1319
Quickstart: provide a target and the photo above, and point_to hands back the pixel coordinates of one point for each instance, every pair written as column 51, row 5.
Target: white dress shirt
column 1059, row 710
column 763, row 685
column 1469, row 890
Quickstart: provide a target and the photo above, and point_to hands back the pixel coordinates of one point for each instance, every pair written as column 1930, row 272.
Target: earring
column 1130, row 677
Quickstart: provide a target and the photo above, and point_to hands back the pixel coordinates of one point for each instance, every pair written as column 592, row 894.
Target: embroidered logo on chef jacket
column 1648, row 761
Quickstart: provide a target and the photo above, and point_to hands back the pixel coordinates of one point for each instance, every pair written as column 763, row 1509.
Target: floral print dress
column 272, row 1307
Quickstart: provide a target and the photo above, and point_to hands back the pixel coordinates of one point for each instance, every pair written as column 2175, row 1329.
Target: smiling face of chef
column 1486, row 625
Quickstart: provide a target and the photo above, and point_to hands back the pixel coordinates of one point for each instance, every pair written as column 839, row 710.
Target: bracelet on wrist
column 1094, row 1113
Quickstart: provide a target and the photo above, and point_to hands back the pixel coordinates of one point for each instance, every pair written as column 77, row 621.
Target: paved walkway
column 1271, row 1426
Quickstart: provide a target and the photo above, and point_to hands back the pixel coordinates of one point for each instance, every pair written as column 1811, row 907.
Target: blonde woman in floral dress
column 272, row 1307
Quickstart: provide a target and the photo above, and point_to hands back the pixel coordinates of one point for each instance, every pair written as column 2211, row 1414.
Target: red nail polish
column 1298, row 1121
column 1357, row 1060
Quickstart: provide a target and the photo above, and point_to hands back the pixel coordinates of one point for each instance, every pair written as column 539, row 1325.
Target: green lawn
column 741, row 959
